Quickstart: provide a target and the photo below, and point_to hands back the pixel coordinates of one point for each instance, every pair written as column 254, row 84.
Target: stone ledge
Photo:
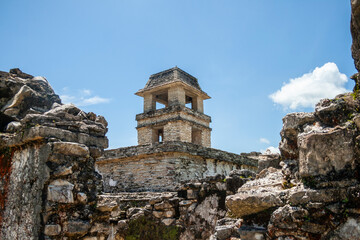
column 42, row 132
column 181, row 147
column 172, row 109
column 178, row 118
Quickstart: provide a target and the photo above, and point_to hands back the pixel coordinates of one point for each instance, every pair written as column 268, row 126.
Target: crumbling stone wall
column 190, row 213
column 48, row 181
column 316, row 193
column 23, row 204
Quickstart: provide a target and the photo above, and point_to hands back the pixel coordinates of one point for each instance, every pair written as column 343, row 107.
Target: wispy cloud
column 307, row 90
column 93, row 100
column 270, row 150
column 264, row 140
column 83, row 97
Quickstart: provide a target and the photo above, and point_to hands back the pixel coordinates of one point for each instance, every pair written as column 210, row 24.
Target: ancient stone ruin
column 57, row 182
column 174, row 142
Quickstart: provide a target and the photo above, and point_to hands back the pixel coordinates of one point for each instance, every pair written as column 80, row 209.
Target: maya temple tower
column 173, row 141
column 183, row 117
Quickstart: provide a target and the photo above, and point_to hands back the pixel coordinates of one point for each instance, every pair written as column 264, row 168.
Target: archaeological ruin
column 174, row 141
column 58, row 182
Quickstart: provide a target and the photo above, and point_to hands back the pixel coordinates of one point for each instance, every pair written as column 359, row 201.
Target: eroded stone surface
column 60, row 191
column 320, row 153
column 348, row 230
column 70, row 148
column 52, row 230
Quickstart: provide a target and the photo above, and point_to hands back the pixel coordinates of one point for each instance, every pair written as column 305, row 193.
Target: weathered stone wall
column 146, row 135
column 23, row 206
column 206, row 137
column 48, row 181
column 177, row 131
column 162, row 167
column 316, row 193
column 158, row 172
column 173, row 112
column 177, row 123
column 190, row 213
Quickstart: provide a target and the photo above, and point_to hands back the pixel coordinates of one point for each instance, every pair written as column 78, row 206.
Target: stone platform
column 163, row 166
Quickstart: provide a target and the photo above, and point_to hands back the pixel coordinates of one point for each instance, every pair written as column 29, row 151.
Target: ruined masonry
column 58, row 183
column 174, row 141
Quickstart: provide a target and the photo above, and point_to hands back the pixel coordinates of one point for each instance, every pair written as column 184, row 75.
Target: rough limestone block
column 90, row 238
column 168, row 221
column 185, row 203
column 348, row 230
column 191, row 194
column 158, row 214
column 76, row 228
column 162, row 205
column 70, row 148
column 52, row 230
column 169, row 213
column 60, row 191
column 81, row 197
column 223, row 232
column 258, row 195
column 323, row 152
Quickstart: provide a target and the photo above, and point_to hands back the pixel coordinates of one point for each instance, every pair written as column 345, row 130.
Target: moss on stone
column 147, row 229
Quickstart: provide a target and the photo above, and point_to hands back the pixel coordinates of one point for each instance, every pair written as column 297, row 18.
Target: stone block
column 63, row 171
column 158, row 214
column 155, row 200
column 169, row 213
column 90, row 238
column 191, row 194
column 71, row 148
column 100, row 228
column 323, row 152
column 81, row 197
column 76, row 228
column 185, row 203
column 168, row 221
column 162, row 206
column 258, row 195
column 52, row 230
column 223, row 232
column 60, row 191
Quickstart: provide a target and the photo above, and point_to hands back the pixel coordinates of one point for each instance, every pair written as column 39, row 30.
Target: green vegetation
column 147, row 229
column 309, row 181
column 287, row 184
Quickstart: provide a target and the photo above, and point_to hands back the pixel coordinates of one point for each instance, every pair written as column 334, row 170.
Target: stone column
column 198, row 104
column 176, row 96
column 149, row 102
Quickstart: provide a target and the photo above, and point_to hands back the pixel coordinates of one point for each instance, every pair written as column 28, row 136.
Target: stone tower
column 182, row 119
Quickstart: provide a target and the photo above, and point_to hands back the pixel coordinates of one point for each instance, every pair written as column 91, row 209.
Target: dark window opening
column 160, row 135
column 189, row 102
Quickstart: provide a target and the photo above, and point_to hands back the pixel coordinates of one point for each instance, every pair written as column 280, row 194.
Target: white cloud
column 82, row 98
column 86, row 92
column 264, row 140
column 92, row 101
column 271, row 150
column 67, row 98
column 307, row 90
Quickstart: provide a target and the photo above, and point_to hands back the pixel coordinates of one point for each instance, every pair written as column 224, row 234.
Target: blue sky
column 97, row 54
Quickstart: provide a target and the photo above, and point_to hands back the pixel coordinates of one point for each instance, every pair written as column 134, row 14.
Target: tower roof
column 172, row 75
